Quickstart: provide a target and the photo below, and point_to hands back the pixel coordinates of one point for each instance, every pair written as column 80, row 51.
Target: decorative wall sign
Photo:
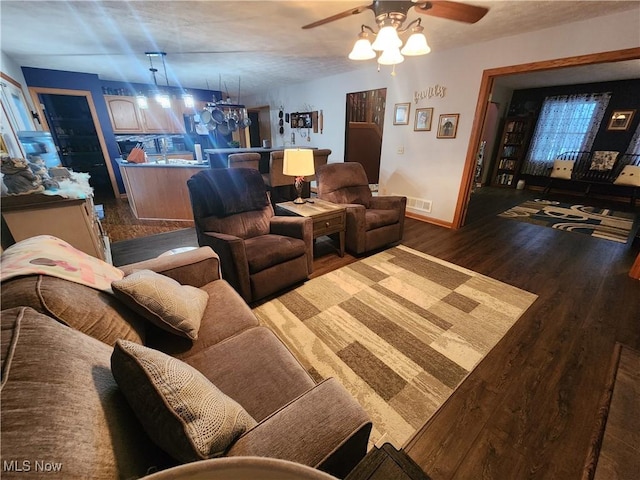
column 401, row 114
column 430, row 92
column 301, row 120
column 448, row 125
column 620, row 119
column 423, row 119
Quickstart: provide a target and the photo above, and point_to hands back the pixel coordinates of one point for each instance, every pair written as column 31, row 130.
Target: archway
column 486, row 86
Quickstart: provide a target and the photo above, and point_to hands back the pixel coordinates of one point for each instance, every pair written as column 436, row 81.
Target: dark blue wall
column 624, row 96
column 38, row 77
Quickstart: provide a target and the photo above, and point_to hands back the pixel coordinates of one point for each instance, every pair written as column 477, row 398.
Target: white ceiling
column 212, row 43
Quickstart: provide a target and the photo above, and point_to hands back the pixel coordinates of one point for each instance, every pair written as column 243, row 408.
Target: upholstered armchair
column 244, row 160
column 280, row 185
column 372, row 221
column 260, row 253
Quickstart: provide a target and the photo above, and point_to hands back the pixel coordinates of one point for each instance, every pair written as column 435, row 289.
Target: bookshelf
column 512, row 150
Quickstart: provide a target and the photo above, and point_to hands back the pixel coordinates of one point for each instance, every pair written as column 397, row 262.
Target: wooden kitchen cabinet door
column 123, row 113
column 156, row 119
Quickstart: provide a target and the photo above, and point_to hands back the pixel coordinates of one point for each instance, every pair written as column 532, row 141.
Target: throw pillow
column 562, row 169
column 163, row 301
column 603, row 160
column 179, row 408
column 630, row 175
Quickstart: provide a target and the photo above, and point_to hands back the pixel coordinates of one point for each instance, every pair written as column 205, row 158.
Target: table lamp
column 298, row 162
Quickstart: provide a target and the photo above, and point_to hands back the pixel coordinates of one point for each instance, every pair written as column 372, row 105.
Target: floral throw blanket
column 49, row 255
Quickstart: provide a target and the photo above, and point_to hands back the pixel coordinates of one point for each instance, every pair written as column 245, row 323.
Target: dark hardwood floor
column 530, row 409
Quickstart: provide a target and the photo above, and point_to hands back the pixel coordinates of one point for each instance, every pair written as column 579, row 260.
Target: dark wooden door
column 363, row 136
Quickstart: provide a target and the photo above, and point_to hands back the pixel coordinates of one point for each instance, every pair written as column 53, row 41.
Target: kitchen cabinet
column 123, row 112
column 71, row 219
column 155, row 119
column 127, row 117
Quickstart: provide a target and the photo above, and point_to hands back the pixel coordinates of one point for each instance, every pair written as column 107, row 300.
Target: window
column 566, row 123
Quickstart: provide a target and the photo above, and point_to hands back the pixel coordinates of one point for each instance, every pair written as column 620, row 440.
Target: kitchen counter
column 171, row 162
column 158, row 190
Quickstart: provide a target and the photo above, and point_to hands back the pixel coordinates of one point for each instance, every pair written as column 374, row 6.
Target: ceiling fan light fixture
column 391, row 56
column 416, row 45
column 387, row 38
column 362, row 49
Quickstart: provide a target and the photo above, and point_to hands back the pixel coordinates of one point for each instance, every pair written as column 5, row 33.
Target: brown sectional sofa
column 60, row 403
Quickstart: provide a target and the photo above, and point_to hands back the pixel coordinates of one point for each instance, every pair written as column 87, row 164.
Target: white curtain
column 566, row 123
column 634, row 144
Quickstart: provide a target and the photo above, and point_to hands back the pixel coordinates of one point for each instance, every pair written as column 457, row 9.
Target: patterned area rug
column 400, row 329
column 597, row 222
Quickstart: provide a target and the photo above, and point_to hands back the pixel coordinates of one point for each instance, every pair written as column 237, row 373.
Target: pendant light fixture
column 160, row 96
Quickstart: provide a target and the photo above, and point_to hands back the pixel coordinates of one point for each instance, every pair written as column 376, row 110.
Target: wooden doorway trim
column 34, row 91
column 486, row 87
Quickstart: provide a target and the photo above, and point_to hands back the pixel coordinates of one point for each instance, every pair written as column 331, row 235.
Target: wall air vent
column 419, row 206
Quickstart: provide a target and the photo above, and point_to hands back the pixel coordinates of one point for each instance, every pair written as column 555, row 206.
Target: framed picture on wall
column 401, row 114
column 620, row 119
column 448, row 125
column 423, row 119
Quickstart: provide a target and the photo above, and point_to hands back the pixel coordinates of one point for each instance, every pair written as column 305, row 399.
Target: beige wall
column 431, row 168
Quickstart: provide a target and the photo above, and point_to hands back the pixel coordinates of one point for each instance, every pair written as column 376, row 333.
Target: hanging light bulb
column 416, row 43
column 391, row 56
column 188, row 100
column 387, row 38
column 362, row 49
column 164, row 100
column 142, row 102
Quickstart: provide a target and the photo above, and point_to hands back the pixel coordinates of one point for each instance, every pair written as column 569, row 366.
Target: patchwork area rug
column 597, row 222
column 400, row 329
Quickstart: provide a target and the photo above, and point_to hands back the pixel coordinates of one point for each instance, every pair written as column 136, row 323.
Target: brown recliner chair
column 372, row 221
column 260, row 253
column 280, row 185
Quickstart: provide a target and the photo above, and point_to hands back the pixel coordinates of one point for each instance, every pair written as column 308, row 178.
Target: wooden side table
column 387, row 463
column 327, row 217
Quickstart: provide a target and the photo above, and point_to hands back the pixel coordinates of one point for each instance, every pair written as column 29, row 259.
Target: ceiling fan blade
column 338, row 16
column 461, row 12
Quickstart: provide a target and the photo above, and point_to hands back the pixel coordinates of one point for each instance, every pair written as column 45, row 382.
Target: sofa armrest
column 324, row 428
column 296, row 227
column 389, row 202
column 194, row 267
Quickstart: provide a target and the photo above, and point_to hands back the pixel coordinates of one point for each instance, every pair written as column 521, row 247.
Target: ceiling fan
column 390, row 17
column 397, row 11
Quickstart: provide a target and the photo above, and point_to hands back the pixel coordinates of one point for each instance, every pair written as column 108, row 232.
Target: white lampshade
column 387, row 38
column 416, row 45
column 391, row 56
column 298, row 162
column 362, row 50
